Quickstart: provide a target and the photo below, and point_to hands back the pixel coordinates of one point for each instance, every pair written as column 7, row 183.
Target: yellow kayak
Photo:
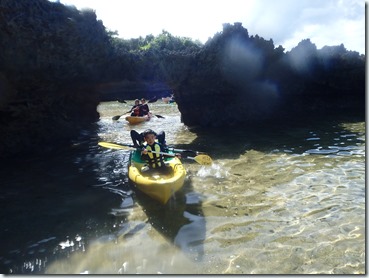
column 137, row 119
column 158, row 186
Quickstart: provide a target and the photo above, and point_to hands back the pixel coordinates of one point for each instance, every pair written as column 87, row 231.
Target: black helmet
column 148, row 131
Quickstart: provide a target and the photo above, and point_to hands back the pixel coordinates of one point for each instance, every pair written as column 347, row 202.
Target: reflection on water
column 275, row 201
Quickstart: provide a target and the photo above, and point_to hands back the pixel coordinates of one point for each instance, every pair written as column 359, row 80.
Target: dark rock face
column 126, row 89
column 242, row 80
column 48, row 51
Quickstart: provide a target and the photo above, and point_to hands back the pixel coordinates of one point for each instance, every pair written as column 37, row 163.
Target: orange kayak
column 133, row 120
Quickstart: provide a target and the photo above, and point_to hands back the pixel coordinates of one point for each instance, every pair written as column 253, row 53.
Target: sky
column 286, row 22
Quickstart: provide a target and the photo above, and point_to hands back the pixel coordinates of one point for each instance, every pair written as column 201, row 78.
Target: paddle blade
column 159, row 116
column 154, row 99
column 113, row 146
column 116, row 118
column 203, row 159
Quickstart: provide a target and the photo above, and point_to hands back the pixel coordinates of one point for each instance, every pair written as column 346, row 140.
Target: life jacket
column 136, row 111
column 155, row 159
column 144, row 109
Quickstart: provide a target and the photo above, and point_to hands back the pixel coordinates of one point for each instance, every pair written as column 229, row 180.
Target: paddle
column 116, row 118
column 185, row 151
column 159, row 116
column 202, row 159
column 154, row 99
column 120, row 146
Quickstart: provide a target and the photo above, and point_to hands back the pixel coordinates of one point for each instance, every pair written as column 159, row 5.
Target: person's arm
column 165, row 150
column 144, row 154
column 162, row 148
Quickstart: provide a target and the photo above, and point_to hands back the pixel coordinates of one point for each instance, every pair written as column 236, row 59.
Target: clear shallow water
column 275, row 201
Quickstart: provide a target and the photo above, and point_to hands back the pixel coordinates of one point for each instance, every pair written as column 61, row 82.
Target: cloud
column 328, row 22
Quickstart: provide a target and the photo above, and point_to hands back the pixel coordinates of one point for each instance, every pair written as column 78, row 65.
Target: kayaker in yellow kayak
column 138, row 138
column 155, row 160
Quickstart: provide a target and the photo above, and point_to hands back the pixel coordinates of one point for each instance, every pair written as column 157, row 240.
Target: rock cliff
column 242, row 80
column 51, row 56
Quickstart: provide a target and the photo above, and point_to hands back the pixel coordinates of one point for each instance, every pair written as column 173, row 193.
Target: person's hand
column 143, row 151
column 178, row 155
